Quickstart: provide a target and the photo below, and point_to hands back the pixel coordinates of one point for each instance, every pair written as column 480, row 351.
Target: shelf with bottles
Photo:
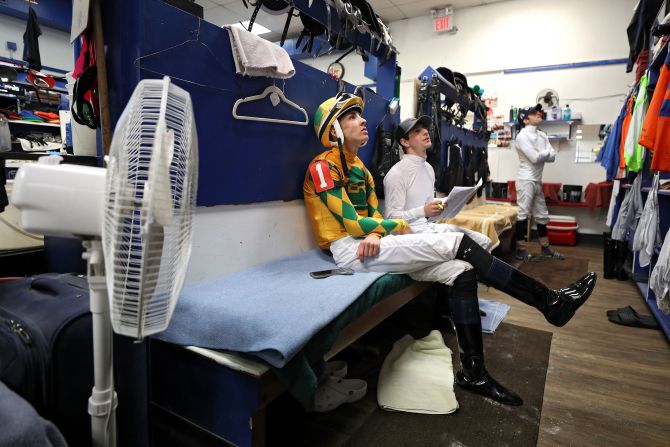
column 571, row 121
column 551, row 126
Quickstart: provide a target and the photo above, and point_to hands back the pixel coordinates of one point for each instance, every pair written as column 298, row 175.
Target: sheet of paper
column 456, row 200
column 495, row 313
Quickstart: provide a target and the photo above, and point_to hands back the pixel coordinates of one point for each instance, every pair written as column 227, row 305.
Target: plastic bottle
column 511, row 114
column 567, row 113
column 555, row 113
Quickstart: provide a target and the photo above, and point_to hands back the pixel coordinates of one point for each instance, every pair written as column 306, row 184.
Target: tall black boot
column 621, row 248
column 558, row 306
column 609, row 256
column 465, row 313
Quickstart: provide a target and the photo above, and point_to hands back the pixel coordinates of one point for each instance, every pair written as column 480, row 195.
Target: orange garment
column 655, row 133
column 625, row 125
column 661, row 160
column 46, row 115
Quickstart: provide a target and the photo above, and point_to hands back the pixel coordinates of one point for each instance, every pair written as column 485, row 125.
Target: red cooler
column 562, row 230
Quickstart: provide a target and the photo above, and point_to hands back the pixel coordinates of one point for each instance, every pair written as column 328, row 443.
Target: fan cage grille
column 146, row 261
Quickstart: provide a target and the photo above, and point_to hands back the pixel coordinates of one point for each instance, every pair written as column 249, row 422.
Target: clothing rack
column 640, row 275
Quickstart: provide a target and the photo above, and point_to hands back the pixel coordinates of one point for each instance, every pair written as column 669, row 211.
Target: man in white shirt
column 534, row 150
column 409, row 188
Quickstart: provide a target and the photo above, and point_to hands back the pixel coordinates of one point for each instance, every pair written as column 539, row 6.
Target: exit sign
column 443, row 24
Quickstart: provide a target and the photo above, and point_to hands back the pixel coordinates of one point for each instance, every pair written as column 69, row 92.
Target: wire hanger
column 275, row 99
column 195, row 39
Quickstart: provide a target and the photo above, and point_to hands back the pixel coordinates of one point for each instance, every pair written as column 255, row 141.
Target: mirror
column 588, row 142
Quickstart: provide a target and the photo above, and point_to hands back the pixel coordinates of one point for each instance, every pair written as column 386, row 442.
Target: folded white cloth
column 417, row 377
column 255, row 56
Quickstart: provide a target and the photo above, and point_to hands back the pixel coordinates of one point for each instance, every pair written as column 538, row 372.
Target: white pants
column 425, row 256
column 530, row 199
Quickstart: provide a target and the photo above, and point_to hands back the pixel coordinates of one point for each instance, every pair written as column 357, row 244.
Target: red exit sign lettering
column 443, row 24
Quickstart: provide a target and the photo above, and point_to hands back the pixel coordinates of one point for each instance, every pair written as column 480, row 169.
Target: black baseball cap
column 523, row 113
column 403, row 129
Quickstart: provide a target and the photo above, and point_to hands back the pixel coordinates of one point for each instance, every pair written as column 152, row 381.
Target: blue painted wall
column 240, row 161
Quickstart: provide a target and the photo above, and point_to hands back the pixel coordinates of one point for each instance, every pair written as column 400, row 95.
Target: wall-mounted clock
column 336, row 70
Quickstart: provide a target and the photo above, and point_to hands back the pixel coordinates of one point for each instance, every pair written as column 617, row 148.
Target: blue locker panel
column 232, row 397
column 240, row 161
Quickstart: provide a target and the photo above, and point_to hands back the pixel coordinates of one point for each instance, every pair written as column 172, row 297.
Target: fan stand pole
column 102, row 403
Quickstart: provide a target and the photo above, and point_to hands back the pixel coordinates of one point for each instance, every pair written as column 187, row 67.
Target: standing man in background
column 534, row 150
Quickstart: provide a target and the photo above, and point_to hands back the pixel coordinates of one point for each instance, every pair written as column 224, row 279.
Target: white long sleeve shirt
column 408, row 186
column 534, row 151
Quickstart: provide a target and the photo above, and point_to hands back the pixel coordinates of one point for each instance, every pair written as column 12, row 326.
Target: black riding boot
column 621, row 255
column 465, row 313
column 558, row 306
column 609, row 256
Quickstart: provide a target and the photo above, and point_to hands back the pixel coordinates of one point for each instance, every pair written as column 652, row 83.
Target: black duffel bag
column 46, row 348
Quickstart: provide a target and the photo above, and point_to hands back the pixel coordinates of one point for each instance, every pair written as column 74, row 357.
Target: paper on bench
column 495, row 313
column 456, row 200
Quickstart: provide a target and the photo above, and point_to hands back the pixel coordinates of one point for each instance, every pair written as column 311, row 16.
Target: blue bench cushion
column 270, row 311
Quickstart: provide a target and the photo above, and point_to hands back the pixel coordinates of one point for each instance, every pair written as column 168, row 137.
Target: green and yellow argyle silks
column 349, row 208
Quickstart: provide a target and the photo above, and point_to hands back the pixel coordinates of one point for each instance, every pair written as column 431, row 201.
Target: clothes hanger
column 187, row 42
column 276, row 96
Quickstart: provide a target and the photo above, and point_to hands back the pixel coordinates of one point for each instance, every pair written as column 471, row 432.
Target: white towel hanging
column 275, row 100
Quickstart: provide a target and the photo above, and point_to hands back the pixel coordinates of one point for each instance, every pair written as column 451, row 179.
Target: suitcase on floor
column 46, row 348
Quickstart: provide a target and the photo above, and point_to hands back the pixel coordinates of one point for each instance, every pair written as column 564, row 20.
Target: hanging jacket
column 610, row 210
column 385, row 156
column 625, row 126
column 483, row 170
column 630, row 211
column 647, row 233
column 633, row 151
column 31, row 47
column 452, row 174
column 639, row 29
column 471, row 165
column 659, row 280
column 655, row 133
column 609, row 154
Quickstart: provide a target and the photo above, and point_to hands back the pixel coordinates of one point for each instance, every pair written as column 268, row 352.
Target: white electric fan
column 136, row 221
column 548, row 98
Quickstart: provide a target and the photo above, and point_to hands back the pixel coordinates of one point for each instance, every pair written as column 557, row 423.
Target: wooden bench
column 225, row 394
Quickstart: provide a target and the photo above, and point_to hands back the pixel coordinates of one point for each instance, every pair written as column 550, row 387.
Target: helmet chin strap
column 340, row 145
column 338, row 131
